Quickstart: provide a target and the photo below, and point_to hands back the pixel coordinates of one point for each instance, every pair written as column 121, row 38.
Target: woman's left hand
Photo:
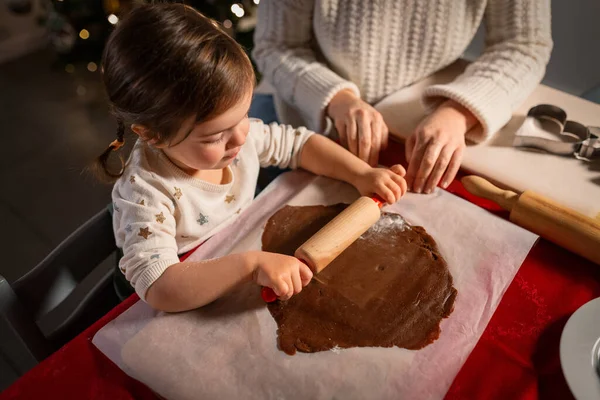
column 434, row 151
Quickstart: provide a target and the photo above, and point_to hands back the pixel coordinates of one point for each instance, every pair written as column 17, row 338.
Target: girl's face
column 211, row 144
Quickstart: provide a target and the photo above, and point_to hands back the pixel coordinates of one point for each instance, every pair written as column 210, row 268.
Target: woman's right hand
column 284, row 274
column 361, row 128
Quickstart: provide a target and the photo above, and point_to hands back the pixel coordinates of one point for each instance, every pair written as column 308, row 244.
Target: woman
column 337, row 57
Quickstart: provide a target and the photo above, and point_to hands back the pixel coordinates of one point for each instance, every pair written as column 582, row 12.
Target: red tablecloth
column 515, row 358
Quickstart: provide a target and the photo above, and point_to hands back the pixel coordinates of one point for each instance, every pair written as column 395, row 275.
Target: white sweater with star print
column 161, row 212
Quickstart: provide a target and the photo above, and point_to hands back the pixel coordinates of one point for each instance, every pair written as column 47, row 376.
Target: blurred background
column 54, row 119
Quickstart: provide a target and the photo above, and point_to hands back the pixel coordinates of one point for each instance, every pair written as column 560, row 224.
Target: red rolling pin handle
column 380, row 202
column 269, row 296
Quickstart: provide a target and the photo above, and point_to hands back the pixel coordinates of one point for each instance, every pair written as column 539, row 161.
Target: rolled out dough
column 389, row 288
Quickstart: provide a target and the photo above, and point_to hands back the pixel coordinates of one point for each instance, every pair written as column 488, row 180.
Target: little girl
column 184, row 88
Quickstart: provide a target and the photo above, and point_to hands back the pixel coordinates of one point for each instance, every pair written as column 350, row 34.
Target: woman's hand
column 286, row 275
column 389, row 184
column 435, row 150
column 360, row 126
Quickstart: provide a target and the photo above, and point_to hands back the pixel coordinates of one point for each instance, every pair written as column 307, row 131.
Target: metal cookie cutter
column 547, row 128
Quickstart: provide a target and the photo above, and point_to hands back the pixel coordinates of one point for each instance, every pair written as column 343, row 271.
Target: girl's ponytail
column 101, row 167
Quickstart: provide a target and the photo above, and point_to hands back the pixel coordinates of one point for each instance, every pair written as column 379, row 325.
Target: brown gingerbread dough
column 389, row 288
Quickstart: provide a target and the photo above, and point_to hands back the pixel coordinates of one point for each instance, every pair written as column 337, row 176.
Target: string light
column 92, row 67
column 70, row 68
column 84, row 34
column 227, row 24
column 256, row 2
column 113, row 19
column 238, row 10
column 81, row 90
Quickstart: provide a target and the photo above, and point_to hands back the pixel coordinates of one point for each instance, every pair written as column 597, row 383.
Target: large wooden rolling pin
column 538, row 214
column 335, row 237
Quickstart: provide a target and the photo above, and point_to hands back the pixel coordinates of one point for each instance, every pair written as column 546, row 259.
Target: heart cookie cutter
column 547, row 128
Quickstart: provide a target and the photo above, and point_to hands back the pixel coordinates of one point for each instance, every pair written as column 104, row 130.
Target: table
column 517, row 356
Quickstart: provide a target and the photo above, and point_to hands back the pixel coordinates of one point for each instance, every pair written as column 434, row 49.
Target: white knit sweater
column 310, row 49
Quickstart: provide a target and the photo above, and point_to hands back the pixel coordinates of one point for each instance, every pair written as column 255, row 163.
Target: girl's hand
column 284, row 274
column 389, row 184
column 359, row 125
column 435, row 150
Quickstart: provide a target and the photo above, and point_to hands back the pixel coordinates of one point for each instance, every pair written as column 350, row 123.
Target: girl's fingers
column 290, row 291
column 386, row 193
column 279, row 287
column 305, row 274
column 296, row 281
column 398, row 169
column 401, row 182
column 395, row 188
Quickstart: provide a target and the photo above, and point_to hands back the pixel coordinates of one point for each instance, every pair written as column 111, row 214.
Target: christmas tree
column 78, row 29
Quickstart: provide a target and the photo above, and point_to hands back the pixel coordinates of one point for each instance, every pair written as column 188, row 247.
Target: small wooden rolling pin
column 538, row 214
column 335, row 237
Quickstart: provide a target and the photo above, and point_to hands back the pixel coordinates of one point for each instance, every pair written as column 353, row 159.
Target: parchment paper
column 228, row 349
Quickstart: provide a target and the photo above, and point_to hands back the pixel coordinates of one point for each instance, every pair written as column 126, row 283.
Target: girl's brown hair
column 165, row 63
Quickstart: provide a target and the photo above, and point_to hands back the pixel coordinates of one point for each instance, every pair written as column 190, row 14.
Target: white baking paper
column 228, row 350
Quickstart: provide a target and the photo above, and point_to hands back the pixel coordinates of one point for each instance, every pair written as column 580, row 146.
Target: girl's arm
column 192, row 284
column 322, row 156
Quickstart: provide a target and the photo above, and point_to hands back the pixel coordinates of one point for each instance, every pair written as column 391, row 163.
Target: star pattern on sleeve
column 160, row 218
column 155, row 256
column 236, row 161
column 273, row 161
column 142, row 202
column 177, row 193
column 203, row 219
column 117, row 209
column 128, row 228
column 238, row 211
column 145, row 233
column 132, row 179
column 229, row 198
